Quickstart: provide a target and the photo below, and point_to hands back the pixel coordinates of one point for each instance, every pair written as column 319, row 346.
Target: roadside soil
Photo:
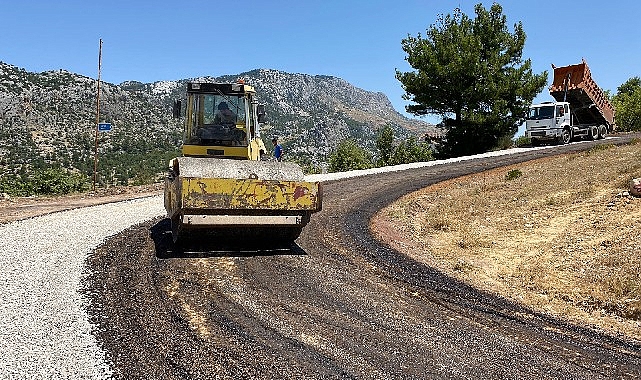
column 17, row 208
column 561, row 235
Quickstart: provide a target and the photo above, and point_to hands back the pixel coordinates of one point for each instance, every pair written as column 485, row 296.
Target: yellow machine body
column 248, row 194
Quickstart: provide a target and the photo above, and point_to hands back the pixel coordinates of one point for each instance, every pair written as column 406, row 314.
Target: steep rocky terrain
column 48, row 119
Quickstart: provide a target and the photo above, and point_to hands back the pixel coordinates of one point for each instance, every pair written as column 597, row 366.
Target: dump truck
column 580, row 110
column 223, row 182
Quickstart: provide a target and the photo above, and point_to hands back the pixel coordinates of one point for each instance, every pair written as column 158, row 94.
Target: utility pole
column 95, row 156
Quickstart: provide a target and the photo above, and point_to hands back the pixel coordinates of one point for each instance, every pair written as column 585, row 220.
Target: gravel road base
column 44, row 329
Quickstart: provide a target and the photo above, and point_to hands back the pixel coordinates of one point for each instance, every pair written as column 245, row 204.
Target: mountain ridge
column 48, row 118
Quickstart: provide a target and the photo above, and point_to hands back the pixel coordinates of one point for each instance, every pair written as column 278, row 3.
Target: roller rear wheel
column 176, row 229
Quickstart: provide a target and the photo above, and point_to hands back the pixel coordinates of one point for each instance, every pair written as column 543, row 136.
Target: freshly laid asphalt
column 338, row 304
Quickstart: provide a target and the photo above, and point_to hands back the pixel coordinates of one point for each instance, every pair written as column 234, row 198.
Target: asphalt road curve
column 340, row 305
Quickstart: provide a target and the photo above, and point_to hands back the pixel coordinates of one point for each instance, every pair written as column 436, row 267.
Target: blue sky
column 359, row 41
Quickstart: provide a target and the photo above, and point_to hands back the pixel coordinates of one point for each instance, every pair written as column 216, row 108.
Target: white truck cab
column 549, row 121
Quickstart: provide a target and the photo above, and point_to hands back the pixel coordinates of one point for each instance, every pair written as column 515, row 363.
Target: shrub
column 513, row 174
column 504, row 142
column 411, row 150
column 522, row 141
column 349, row 156
column 48, row 181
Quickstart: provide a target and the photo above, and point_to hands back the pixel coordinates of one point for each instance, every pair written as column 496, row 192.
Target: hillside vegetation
column 561, row 235
column 47, row 121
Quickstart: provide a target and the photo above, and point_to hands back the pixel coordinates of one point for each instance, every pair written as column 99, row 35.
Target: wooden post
column 95, row 156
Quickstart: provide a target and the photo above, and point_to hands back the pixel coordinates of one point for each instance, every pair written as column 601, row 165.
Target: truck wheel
column 535, row 142
column 603, row 131
column 566, row 136
column 593, row 132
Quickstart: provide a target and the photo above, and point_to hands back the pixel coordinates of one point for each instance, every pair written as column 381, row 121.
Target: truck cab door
column 562, row 115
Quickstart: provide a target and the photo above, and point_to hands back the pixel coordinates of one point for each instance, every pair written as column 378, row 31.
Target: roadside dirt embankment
column 561, row 234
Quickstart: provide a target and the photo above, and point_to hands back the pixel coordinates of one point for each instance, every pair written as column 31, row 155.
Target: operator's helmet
column 223, row 106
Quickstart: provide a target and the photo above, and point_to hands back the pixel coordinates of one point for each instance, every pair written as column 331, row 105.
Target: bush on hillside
column 50, row 181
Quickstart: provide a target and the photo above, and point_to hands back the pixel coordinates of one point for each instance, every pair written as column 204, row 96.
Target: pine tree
column 470, row 72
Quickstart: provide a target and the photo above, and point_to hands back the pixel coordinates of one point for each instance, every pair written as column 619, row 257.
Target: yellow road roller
column 225, row 182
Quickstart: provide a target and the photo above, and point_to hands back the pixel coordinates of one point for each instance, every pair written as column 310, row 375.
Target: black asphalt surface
column 338, row 305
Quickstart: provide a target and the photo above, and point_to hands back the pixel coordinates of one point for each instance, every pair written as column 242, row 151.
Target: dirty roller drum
column 236, row 201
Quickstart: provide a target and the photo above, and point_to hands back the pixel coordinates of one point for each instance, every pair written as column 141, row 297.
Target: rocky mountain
column 48, row 119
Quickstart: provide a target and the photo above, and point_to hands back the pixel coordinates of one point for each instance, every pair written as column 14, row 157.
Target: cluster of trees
column 350, row 156
column 44, row 182
column 126, row 160
column 627, row 103
column 137, row 160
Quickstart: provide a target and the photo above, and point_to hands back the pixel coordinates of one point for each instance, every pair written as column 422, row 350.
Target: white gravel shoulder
column 44, row 329
column 357, row 173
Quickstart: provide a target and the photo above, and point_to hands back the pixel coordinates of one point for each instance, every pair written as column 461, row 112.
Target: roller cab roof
column 220, row 88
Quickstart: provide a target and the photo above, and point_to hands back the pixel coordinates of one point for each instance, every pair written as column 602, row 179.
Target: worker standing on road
column 278, row 150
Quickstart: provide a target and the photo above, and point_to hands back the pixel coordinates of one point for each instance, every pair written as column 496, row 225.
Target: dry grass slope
column 561, row 234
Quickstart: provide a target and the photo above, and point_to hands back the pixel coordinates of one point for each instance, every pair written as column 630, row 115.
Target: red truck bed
column 590, row 104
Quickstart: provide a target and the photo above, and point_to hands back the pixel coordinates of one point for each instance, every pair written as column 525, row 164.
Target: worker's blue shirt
column 278, row 152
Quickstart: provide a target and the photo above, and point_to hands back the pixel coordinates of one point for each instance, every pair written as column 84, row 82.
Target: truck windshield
column 217, row 120
column 542, row 112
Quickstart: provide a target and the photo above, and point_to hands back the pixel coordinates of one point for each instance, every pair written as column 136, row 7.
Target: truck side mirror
column 260, row 111
column 177, row 109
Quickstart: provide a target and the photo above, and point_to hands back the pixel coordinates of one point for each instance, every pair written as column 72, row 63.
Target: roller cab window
column 217, row 120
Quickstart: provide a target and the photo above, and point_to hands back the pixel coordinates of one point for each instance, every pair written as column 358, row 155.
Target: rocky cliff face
column 48, row 118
